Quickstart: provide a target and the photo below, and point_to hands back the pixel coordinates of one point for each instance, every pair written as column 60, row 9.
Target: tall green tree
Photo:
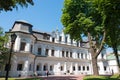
column 8, row 5
column 82, row 17
column 110, row 10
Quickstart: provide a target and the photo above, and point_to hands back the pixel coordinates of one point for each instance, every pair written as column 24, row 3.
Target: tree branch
column 102, row 43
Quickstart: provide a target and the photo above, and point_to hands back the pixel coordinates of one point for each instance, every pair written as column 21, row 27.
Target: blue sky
column 44, row 15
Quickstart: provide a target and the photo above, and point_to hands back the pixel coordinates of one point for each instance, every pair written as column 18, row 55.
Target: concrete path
column 73, row 77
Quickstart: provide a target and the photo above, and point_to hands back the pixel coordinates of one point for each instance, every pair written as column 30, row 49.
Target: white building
column 36, row 52
column 111, row 59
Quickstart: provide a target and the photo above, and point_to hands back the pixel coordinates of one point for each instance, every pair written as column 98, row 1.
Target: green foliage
column 8, row 5
column 114, row 77
column 95, row 78
column 79, row 17
column 3, row 51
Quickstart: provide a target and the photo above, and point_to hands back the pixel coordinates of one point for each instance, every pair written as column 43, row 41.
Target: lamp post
column 13, row 38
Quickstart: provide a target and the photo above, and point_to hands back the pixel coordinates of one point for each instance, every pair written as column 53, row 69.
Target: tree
column 8, row 5
column 110, row 10
column 81, row 17
column 3, row 50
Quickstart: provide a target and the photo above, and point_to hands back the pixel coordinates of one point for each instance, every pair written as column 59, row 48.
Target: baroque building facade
column 36, row 52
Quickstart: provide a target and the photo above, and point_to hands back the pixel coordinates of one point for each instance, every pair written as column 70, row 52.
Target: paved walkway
column 73, row 77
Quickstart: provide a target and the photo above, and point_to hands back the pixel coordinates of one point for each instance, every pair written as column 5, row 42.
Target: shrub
column 95, row 78
column 117, row 76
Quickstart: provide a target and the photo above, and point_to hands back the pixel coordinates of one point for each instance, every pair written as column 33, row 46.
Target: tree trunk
column 117, row 58
column 95, row 66
column 94, row 62
column 93, row 55
column 95, row 51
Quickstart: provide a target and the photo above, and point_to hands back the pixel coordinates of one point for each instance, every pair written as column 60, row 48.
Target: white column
column 65, row 67
column 58, row 68
column 50, row 39
column 49, row 52
column 76, row 68
column 17, row 43
column 25, row 68
column 27, row 47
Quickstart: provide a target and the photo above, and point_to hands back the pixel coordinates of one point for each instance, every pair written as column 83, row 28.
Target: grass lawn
column 21, row 79
column 114, row 77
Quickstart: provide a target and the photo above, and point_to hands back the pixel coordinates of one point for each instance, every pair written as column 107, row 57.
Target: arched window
column 51, row 67
column 45, row 66
column 37, row 68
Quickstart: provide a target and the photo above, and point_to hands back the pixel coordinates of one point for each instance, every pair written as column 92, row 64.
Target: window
column 66, row 53
column 77, row 44
column 83, row 68
column 53, row 39
column 79, row 68
column 52, row 53
column 66, row 39
column 71, row 41
column 44, row 67
column 70, row 54
column 62, row 53
column 46, row 52
column 30, row 67
column 51, row 68
column 81, row 55
column 61, row 68
column 78, row 55
column 39, row 51
column 73, row 68
column 19, row 67
column 105, row 68
column 22, row 47
column 46, row 36
column 87, row 68
column 60, row 38
column 37, row 68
